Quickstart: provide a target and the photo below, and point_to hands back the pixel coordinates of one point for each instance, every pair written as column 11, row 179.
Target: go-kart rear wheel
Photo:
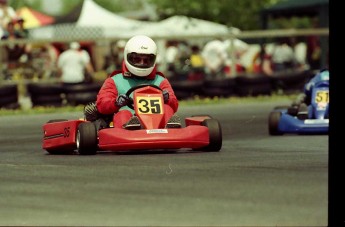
column 215, row 135
column 86, row 139
column 273, row 122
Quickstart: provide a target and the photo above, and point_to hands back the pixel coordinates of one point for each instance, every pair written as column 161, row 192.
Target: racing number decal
column 322, row 96
column 149, row 105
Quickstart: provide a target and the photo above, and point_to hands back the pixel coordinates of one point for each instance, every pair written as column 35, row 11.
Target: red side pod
column 60, row 135
column 195, row 120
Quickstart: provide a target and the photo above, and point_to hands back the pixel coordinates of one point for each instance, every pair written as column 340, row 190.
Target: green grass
column 193, row 101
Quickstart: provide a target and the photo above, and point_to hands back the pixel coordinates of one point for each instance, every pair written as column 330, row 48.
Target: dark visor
column 141, row 60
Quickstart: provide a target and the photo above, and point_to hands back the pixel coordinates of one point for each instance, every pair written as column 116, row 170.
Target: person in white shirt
column 7, row 14
column 282, row 58
column 73, row 64
column 215, row 57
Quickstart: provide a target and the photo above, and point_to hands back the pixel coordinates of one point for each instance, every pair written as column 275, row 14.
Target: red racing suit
column 119, row 82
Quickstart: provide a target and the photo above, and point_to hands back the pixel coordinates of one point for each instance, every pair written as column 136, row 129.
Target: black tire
column 8, row 90
column 8, row 99
column 219, row 87
column 75, row 99
column 46, row 100
column 215, row 135
column 82, row 88
column 273, row 122
column 86, row 139
column 44, row 89
column 253, row 85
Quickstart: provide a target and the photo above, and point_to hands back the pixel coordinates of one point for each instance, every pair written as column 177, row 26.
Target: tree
column 244, row 14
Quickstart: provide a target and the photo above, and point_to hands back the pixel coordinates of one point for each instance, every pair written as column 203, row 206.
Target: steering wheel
column 132, row 89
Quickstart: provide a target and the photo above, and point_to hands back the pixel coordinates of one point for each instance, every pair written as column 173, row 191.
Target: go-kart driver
column 304, row 99
column 138, row 67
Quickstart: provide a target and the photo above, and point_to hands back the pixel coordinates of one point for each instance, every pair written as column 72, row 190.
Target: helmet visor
column 141, row 60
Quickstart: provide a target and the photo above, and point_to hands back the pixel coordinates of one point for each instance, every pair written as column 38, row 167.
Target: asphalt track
column 255, row 180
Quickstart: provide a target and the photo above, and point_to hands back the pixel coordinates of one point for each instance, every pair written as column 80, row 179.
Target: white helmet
column 140, row 55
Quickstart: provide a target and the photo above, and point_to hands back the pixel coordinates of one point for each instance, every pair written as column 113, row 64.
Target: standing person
column 138, row 67
column 73, row 64
column 21, row 30
column 14, row 53
column 7, row 14
column 215, row 58
column 282, row 57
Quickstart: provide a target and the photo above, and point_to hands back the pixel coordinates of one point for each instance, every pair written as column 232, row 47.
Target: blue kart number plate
column 322, row 97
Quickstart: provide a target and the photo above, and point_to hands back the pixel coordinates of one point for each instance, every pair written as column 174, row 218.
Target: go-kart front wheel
column 273, row 123
column 215, row 135
column 86, row 139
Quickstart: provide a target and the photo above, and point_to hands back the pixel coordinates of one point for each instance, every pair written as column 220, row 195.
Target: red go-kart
column 200, row 133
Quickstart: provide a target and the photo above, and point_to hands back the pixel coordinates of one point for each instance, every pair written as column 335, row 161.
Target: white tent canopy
column 95, row 20
column 184, row 26
column 95, row 15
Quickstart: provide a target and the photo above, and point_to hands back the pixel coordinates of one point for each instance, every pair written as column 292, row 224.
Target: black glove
column 166, row 96
column 123, row 100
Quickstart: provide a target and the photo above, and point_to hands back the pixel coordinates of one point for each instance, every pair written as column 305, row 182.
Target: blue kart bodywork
column 316, row 120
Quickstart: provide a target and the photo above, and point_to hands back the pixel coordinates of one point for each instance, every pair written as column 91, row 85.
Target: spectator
column 239, row 48
column 215, row 57
column 197, row 65
column 21, row 30
column 171, row 57
column 73, row 65
column 314, row 49
column 258, row 60
column 114, row 58
column 282, row 58
column 15, row 53
column 138, row 67
column 7, row 14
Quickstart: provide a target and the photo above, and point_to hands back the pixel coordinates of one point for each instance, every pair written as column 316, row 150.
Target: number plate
column 322, row 96
column 149, row 105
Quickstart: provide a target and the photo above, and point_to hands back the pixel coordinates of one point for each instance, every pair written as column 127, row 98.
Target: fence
column 231, row 86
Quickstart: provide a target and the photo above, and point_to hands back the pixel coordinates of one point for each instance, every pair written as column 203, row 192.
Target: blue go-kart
column 303, row 117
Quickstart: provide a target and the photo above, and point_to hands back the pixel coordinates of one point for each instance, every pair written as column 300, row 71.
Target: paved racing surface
column 255, row 180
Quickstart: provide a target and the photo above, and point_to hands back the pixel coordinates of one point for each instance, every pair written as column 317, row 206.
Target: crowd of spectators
column 181, row 60
column 215, row 58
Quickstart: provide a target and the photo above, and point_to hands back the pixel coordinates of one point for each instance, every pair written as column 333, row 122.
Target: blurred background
column 266, row 46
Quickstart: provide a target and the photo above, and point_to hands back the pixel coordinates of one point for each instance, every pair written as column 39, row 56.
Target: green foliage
column 243, row 14
column 120, row 5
